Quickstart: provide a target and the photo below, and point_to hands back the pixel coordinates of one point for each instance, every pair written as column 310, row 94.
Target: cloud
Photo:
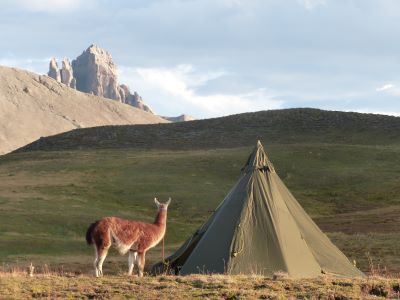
column 311, row 4
column 385, row 87
column 178, row 88
column 377, row 112
column 390, row 89
column 48, row 6
column 37, row 65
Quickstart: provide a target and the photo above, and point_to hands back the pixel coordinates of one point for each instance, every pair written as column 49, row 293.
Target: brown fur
column 133, row 236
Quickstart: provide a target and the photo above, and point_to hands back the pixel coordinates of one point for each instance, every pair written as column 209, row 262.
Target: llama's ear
column 169, row 201
column 156, row 202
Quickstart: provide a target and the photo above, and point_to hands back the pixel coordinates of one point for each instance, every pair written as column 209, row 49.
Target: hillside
column 34, row 106
column 351, row 191
column 273, row 126
column 342, row 167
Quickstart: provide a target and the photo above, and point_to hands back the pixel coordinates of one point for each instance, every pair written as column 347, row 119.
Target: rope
column 162, row 253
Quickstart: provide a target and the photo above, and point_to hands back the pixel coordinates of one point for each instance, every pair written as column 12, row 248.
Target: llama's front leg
column 131, row 260
column 141, row 262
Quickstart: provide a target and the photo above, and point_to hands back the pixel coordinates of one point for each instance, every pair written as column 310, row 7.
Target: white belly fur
column 121, row 247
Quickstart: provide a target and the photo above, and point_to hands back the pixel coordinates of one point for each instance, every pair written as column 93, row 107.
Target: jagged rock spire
column 54, row 72
column 94, row 72
column 67, row 74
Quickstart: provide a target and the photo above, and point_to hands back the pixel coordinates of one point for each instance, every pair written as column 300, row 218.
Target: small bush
column 378, row 290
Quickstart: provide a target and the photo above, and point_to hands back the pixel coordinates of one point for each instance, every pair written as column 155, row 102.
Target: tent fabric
column 259, row 228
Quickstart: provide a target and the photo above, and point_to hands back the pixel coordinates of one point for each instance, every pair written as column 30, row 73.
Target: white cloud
column 385, row 87
column 177, row 88
column 37, row 65
column 377, row 112
column 311, row 4
column 49, row 6
column 390, row 89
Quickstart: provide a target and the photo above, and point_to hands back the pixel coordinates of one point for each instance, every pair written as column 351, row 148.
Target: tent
column 259, row 228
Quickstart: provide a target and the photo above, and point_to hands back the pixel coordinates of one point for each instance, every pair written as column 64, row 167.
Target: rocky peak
column 94, row 72
column 53, row 70
column 67, row 74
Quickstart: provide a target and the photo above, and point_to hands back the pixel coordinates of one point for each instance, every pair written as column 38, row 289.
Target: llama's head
column 162, row 206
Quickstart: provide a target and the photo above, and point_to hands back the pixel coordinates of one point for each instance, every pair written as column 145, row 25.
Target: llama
column 134, row 237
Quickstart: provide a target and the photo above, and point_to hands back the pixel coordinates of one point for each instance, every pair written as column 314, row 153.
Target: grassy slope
column 342, row 167
column 55, row 195
column 192, row 287
column 274, row 126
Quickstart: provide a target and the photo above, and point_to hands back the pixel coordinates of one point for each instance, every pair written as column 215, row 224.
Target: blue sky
column 211, row 58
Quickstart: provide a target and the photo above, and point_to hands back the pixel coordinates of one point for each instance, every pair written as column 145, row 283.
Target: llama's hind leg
column 96, row 258
column 141, row 262
column 103, row 243
column 131, row 260
column 101, row 256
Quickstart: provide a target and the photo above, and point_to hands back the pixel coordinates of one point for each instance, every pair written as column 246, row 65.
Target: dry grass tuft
column 18, row 285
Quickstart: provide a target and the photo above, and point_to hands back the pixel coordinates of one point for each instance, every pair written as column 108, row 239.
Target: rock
column 53, row 70
column 133, row 99
column 95, row 72
column 181, row 118
column 138, row 102
column 121, row 91
column 73, row 83
column 67, row 74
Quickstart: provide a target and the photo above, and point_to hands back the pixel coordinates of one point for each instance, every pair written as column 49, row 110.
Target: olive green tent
column 259, row 228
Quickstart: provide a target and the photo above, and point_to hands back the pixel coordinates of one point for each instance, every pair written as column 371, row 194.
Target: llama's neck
column 161, row 218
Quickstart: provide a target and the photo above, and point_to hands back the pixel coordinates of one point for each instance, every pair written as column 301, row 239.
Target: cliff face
column 94, row 72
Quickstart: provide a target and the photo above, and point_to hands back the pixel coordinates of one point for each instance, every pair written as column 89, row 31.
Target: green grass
column 47, row 199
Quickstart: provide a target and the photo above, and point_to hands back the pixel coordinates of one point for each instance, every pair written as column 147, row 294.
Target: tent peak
column 258, row 159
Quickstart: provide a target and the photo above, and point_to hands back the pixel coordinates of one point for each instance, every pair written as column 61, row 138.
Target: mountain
column 94, row 72
column 286, row 126
column 34, row 106
column 181, row 118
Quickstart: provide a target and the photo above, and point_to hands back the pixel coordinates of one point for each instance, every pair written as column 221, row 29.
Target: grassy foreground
column 47, row 199
column 20, row 286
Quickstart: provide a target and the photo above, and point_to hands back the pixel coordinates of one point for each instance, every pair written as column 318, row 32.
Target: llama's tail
column 89, row 231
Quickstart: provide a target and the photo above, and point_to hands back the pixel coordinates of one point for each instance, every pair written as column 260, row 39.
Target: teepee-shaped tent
column 259, row 228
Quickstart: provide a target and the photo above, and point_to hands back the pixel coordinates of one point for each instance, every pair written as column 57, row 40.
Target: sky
column 210, row 58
